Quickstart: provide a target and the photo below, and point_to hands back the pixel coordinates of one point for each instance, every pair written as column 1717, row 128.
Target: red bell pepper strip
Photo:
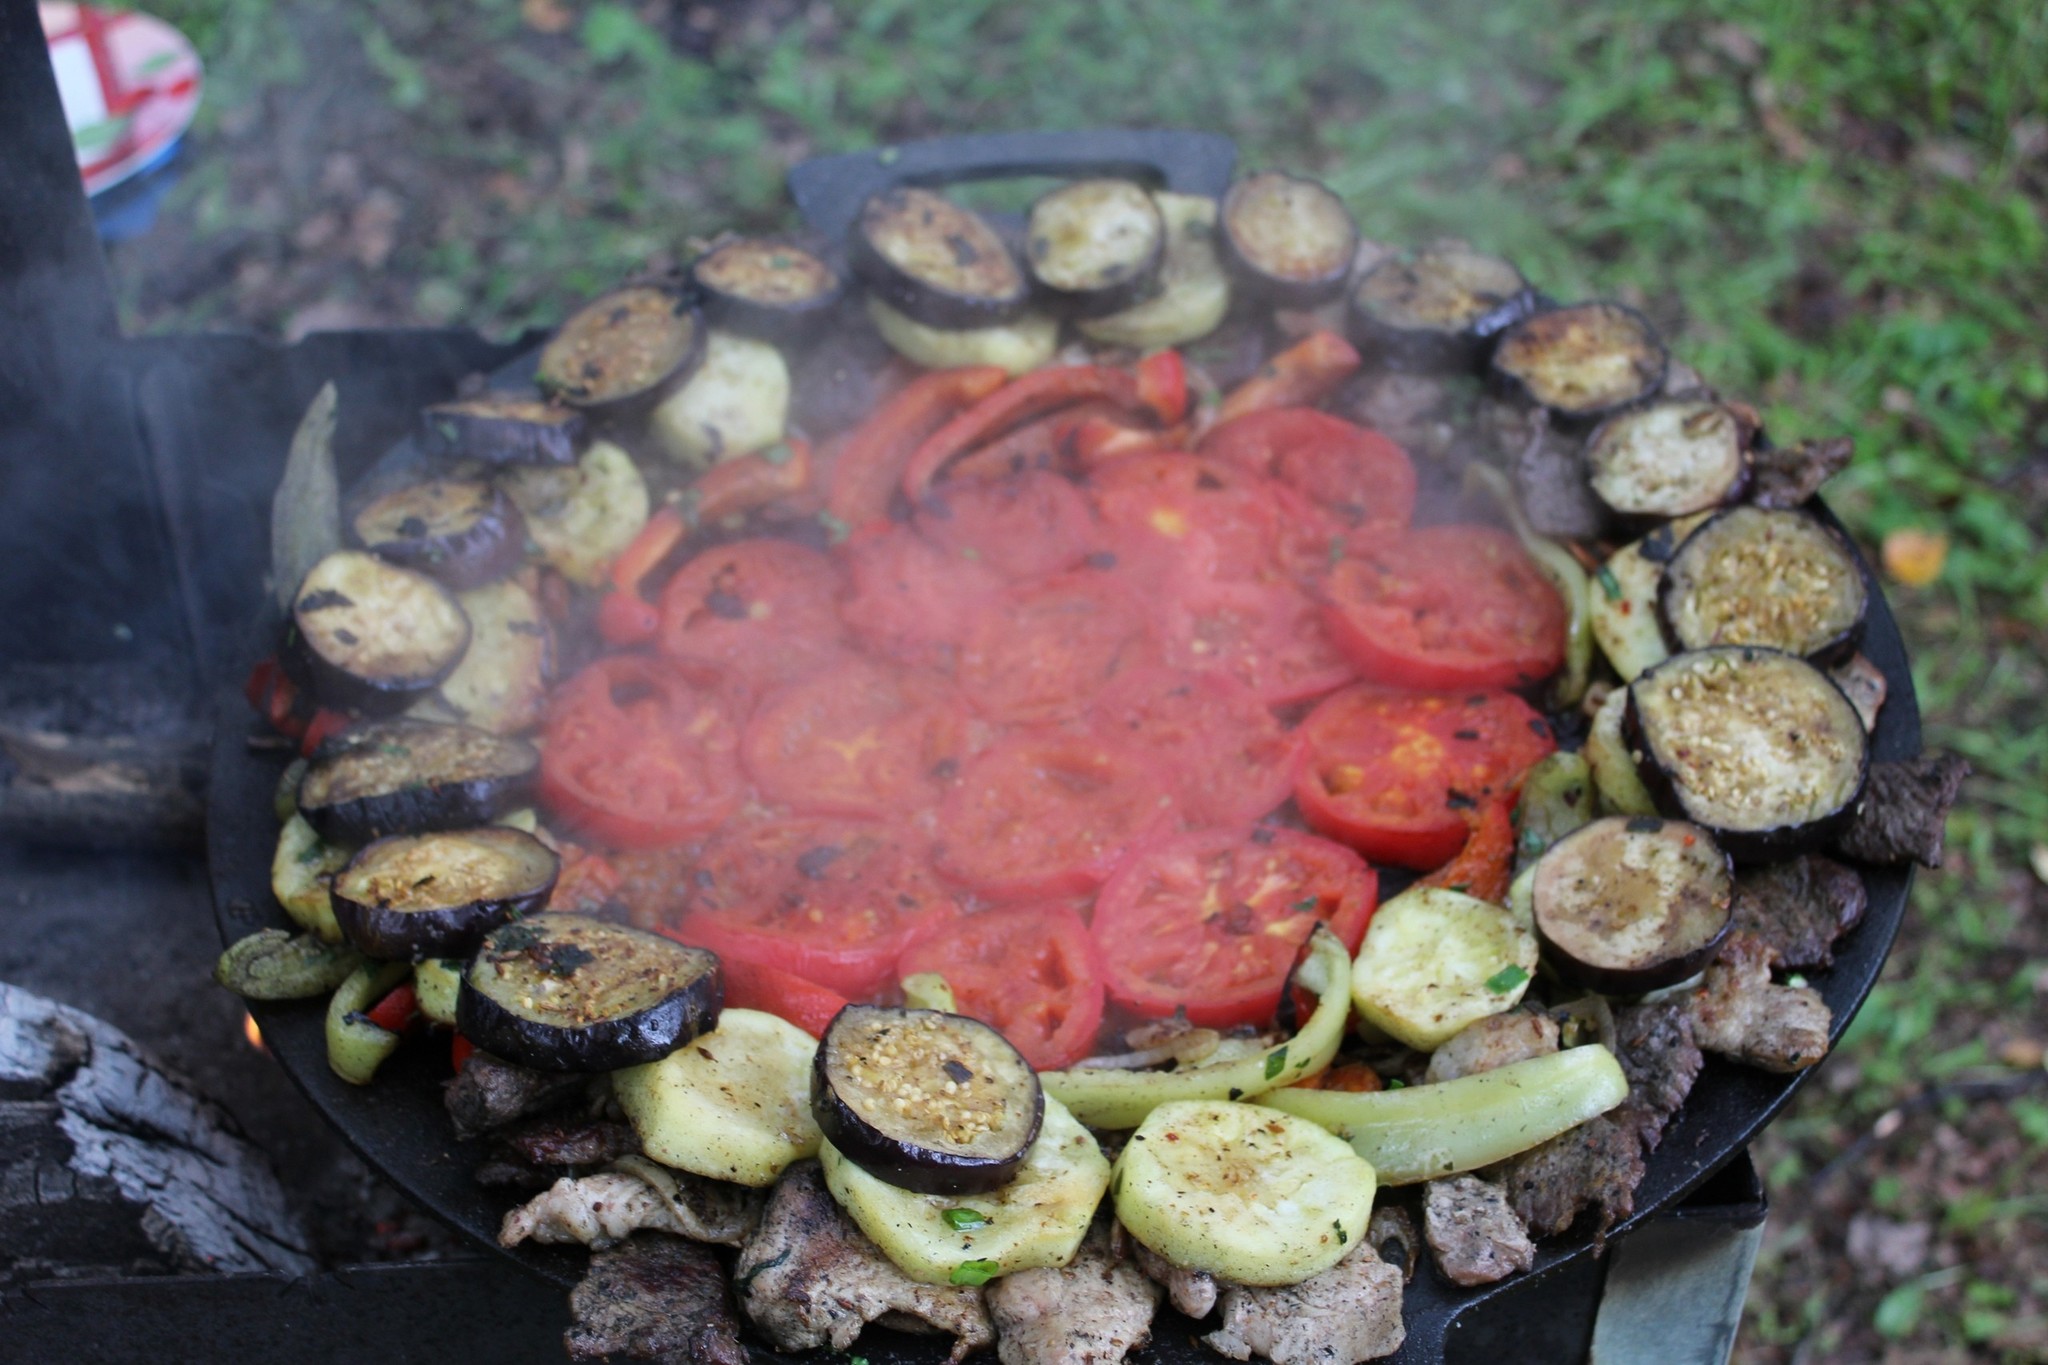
column 588, row 880
column 459, row 1049
column 735, row 486
column 751, row 986
column 1034, row 395
column 624, row 617
column 1099, row 440
column 1042, row 443
column 865, row 473
column 325, row 724
column 1485, row 866
column 1304, row 373
column 1163, row 385
column 275, row 698
column 396, row 1012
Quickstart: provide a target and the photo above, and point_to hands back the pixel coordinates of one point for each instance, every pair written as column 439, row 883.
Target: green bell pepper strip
column 1564, row 573
column 438, row 981
column 355, row 1046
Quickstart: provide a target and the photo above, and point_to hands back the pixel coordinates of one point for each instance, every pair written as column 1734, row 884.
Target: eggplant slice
column 463, row 532
column 502, row 428
column 931, row 1102
column 624, row 351
column 412, row 896
column 563, row 992
column 1096, row 245
column 936, row 262
column 1631, row 903
column 371, row 636
column 1290, row 241
column 1582, row 361
column 1750, row 576
column 766, row 288
column 1759, row 747
column 408, row 776
column 1437, row 309
column 1669, row 459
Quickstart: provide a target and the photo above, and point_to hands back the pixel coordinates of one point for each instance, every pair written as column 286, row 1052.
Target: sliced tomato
column 1220, row 518
column 858, row 738
column 1395, row 774
column 1045, row 814
column 1211, row 922
column 764, row 610
column 756, row 986
column 909, row 599
column 1445, row 607
column 1031, row 973
column 832, row 901
column 1233, row 762
column 1041, row 651
column 1351, row 472
column 639, row 754
column 1025, row 526
column 1269, row 636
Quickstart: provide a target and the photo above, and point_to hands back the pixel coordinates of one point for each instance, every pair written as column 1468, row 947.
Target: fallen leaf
column 1914, row 557
column 546, row 16
column 2023, row 1054
column 2037, row 858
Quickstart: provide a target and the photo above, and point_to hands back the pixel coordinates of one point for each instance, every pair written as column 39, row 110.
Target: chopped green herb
column 1276, row 1063
column 779, row 453
column 1397, row 1084
column 1609, row 584
column 1506, row 979
column 1236, row 1093
column 965, row 1220
column 975, row 1272
column 835, row 529
column 1305, row 903
column 1343, row 1237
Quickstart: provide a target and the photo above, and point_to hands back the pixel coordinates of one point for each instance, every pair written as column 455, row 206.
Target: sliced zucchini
column 1760, row 747
column 1632, row 903
column 1096, row 246
column 736, row 403
column 931, row 1102
column 1751, row 576
column 1289, row 240
column 1018, row 346
column 623, row 352
column 735, row 1105
column 271, row 964
column 929, row 991
column 1434, row 960
column 1614, row 765
column 437, row 982
column 301, row 872
column 1247, row 1193
column 501, row 685
column 1422, row 1132
column 1036, row 1219
column 766, row 288
column 409, row 896
column 502, row 428
column 1557, row 798
column 462, row 532
column 559, row 992
column 935, row 261
column 1669, row 459
column 1437, row 309
column 366, row 635
column 404, row 776
column 1625, row 612
column 1582, row 361
column 1193, row 291
column 581, row 518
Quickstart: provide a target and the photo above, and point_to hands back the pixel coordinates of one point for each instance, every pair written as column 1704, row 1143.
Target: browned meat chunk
column 571, row 1142
column 810, row 1278
column 1799, row 908
column 1392, row 1234
column 598, row 1210
column 1904, row 810
column 1095, row 1311
column 1347, row 1314
column 1549, row 471
column 490, row 1094
column 1786, row 476
column 654, row 1298
column 1493, row 1042
column 1661, row 1059
column 1192, row 1292
column 1740, row 1012
column 1475, row 1235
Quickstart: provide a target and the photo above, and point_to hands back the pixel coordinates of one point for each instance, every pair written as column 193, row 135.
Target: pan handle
column 829, row 190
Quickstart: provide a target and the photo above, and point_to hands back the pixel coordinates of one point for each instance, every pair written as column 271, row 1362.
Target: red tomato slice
column 755, row 986
column 1269, row 636
column 1212, row 921
column 1233, row 761
column 1031, row 973
column 1042, row 651
column 765, row 610
column 638, row 754
column 1394, row 774
column 857, row 738
column 1220, row 518
column 909, row 599
column 1445, row 607
column 832, row 901
column 1023, row 527
column 1353, row 473
column 1045, row 814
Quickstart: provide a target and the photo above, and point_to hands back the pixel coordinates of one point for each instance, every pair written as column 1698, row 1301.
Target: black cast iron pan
column 398, row 1126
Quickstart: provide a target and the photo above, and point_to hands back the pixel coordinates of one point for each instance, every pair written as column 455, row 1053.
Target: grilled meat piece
column 601, row 1209
column 1094, row 1311
column 1346, row 1314
column 1740, row 1012
column 489, row 1093
column 810, row 1278
column 654, row 1298
column 1392, row 1234
column 1799, row 908
column 1905, row 810
column 1192, row 1292
column 1661, row 1058
column 1786, row 476
column 1475, row 1235
column 1491, row 1042
column 570, row 1142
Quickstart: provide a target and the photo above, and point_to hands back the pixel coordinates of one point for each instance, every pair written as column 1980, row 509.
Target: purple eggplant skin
column 497, row 428
column 1837, row 649
column 393, row 934
column 1430, row 350
column 329, row 680
column 1548, row 327
column 485, row 549
column 606, row 1041
column 900, row 1160
column 1283, row 291
column 419, row 793
column 791, row 323
column 620, row 354
column 920, row 300
column 1745, row 847
column 1667, row 969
